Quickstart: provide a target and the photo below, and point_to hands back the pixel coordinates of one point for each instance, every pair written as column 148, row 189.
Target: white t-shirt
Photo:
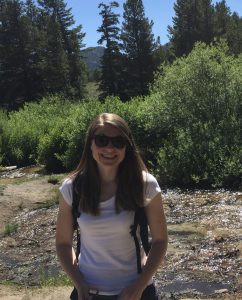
column 107, row 258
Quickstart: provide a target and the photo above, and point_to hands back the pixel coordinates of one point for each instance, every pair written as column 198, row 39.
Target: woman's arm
column 65, row 251
column 158, row 229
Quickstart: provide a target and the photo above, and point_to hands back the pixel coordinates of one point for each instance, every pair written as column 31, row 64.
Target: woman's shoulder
column 151, row 188
column 66, row 190
column 67, row 182
column 148, row 177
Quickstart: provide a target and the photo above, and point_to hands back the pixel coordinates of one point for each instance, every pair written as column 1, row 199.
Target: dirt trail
column 14, row 293
column 14, row 197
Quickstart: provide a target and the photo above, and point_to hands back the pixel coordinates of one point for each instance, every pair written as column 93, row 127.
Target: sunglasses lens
column 101, row 140
column 119, row 142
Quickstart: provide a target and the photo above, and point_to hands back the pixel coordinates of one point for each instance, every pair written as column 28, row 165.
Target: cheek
column 123, row 153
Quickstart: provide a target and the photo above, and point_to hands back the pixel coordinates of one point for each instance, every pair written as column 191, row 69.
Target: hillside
column 92, row 57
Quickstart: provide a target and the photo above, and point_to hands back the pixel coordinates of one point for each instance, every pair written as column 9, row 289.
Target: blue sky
column 86, row 13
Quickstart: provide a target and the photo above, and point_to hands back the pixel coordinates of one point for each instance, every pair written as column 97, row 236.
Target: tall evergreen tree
column 111, row 60
column 39, row 52
column 228, row 26
column 234, row 34
column 18, row 54
column 10, row 15
column 65, row 69
column 138, row 46
column 193, row 21
column 222, row 15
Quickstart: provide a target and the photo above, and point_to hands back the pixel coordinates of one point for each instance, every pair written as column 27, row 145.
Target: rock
column 221, row 291
column 10, row 168
column 219, row 239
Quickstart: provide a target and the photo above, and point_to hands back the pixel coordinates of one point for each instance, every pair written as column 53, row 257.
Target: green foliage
column 111, row 59
column 50, row 202
column 192, row 22
column 47, row 280
column 203, row 21
column 25, row 128
column 138, row 46
column 39, row 52
column 10, row 228
column 188, row 129
column 197, row 101
column 3, row 121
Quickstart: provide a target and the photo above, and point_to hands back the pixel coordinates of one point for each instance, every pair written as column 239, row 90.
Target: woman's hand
column 131, row 293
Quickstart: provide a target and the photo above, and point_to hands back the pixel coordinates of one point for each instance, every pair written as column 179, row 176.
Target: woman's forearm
column 154, row 260
column 68, row 261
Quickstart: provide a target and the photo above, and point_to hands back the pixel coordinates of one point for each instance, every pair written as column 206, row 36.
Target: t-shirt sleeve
column 66, row 191
column 152, row 188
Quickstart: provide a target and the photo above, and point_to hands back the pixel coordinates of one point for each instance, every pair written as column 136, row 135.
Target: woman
column 111, row 182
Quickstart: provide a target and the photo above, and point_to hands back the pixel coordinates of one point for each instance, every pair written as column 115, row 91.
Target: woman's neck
column 108, row 176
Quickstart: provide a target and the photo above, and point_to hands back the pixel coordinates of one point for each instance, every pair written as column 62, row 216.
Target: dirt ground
column 15, row 197
column 187, row 253
column 15, row 293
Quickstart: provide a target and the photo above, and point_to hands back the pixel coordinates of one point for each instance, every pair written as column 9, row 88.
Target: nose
column 110, row 145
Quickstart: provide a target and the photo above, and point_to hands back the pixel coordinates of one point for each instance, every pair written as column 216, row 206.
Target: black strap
column 76, row 214
column 136, row 241
column 144, row 233
column 141, row 220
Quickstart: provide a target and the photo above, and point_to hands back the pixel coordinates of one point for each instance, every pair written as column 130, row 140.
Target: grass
column 187, row 229
column 2, row 187
column 21, row 205
column 50, row 202
column 17, row 180
column 9, row 229
column 2, row 169
column 56, row 179
column 46, row 280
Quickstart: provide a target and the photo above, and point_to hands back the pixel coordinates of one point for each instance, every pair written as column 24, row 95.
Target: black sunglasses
column 102, row 140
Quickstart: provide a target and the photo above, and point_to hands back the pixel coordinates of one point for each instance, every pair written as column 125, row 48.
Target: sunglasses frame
column 111, row 139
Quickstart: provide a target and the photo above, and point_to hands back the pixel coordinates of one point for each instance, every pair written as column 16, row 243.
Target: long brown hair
column 130, row 188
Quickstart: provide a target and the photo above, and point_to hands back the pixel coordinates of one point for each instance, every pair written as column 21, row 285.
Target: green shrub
column 75, row 131
column 197, row 101
column 10, row 228
column 3, row 122
column 27, row 126
column 188, row 129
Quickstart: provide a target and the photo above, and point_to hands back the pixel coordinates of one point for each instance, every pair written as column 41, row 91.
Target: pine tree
column 234, row 34
column 228, row 26
column 39, row 53
column 18, row 54
column 221, row 18
column 64, row 68
column 111, row 59
column 193, row 21
column 138, row 46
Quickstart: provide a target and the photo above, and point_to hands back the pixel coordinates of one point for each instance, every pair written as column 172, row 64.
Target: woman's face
column 107, row 156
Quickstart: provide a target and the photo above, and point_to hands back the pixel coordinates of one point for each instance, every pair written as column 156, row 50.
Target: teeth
column 108, row 156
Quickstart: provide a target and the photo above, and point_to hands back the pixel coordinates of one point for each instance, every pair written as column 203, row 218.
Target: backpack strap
column 144, row 232
column 133, row 232
column 76, row 214
column 141, row 220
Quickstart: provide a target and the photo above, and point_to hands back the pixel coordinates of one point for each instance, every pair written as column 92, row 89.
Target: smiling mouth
column 108, row 156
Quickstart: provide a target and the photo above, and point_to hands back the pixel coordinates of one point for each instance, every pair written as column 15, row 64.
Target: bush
column 3, row 122
column 198, row 99
column 26, row 127
column 188, row 128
